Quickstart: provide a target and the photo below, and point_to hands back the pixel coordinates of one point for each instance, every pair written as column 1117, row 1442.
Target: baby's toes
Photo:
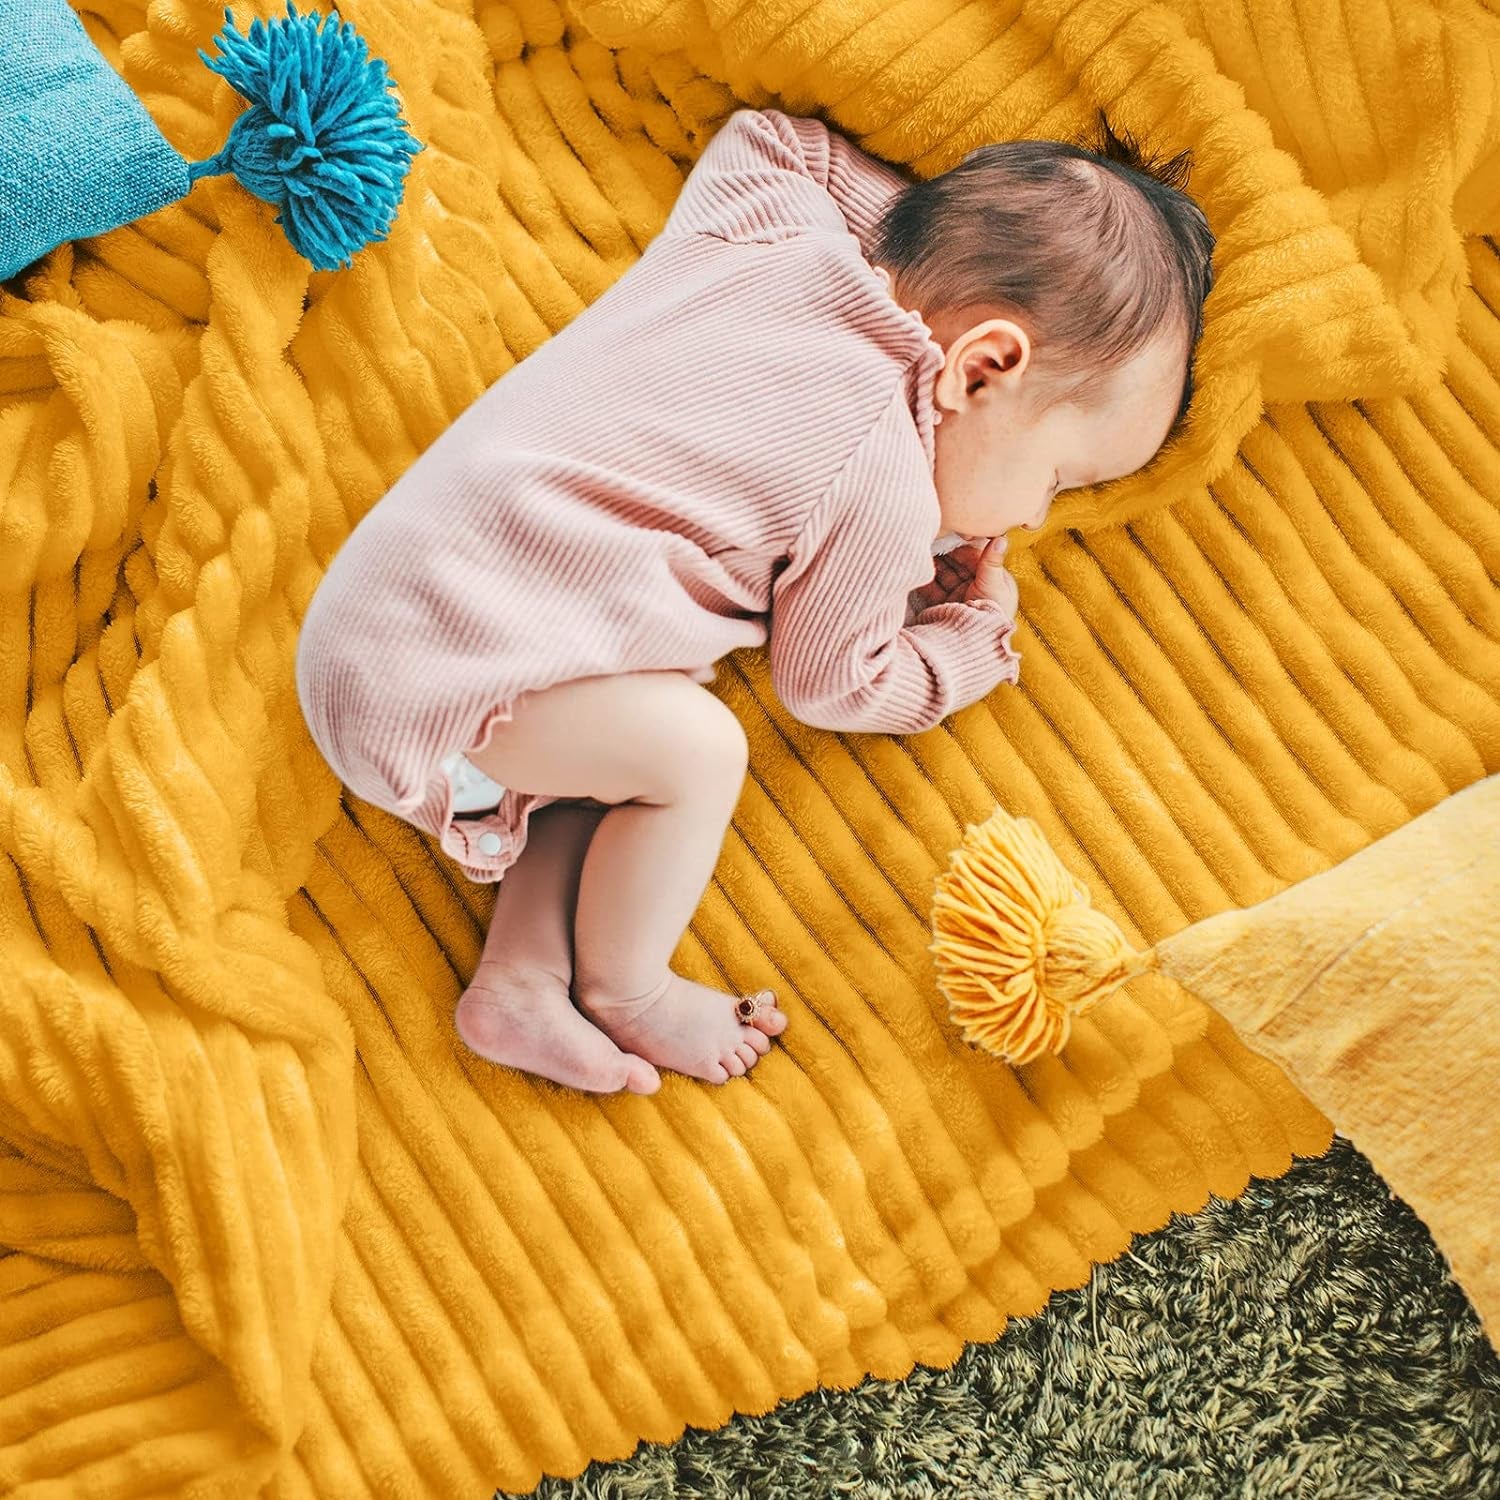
column 735, row 1064
column 747, row 1053
column 771, row 1020
column 756, row 1041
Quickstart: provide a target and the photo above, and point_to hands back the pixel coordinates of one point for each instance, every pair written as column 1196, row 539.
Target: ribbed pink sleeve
column 767, row 175
column 841, row 657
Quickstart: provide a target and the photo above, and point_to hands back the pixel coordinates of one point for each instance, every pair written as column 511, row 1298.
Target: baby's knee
column 707, row 754
column 716, row 738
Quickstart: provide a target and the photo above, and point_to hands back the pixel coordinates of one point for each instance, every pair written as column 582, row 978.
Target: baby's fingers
column 993, row 555
column 991, row 580
column 949, row 574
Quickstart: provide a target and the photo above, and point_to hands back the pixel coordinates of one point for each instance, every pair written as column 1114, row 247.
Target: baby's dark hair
column 1094, row 244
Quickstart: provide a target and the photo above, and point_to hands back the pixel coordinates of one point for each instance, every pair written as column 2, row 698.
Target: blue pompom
column 323, row 140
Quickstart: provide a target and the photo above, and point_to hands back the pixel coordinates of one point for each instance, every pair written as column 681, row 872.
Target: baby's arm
column 842, row 656
column 766, row 174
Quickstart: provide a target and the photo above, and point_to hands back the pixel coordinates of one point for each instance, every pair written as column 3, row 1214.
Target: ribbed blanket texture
column 270, row 1228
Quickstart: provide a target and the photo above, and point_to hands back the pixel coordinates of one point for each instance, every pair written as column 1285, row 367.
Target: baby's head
column 1066, row 286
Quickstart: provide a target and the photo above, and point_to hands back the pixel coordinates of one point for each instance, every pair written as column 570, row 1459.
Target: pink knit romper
column 732, row 444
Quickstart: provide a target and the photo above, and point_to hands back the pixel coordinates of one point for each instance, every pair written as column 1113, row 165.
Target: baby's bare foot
column 686, row 1027
column 526, row 1019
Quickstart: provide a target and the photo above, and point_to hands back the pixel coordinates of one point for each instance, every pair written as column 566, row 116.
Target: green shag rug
column 1303, row 1340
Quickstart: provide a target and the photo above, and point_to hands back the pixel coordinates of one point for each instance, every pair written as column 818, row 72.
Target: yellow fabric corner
column 1377, row 986
column 269, row 1227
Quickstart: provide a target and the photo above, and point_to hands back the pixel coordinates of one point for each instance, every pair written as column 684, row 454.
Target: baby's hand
column 953, row 572
column 992, row 581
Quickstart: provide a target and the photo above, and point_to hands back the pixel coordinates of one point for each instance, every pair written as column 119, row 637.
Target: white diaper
column 473, row 791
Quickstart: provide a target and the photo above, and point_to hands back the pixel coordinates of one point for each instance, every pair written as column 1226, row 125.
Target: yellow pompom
column 1019, row 950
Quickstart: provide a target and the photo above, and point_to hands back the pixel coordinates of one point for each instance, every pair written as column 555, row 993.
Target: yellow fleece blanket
column 268, row 1227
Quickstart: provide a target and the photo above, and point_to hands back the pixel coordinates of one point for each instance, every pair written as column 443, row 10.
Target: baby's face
column 1001, row 454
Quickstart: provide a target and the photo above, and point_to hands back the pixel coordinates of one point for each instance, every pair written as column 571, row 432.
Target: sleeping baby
column 806, row 418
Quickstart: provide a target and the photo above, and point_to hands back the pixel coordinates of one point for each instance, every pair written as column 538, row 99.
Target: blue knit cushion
column 78, row 152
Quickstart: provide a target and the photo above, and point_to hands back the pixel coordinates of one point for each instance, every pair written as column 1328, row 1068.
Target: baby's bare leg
column 518, row 1009
column 669, row 758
